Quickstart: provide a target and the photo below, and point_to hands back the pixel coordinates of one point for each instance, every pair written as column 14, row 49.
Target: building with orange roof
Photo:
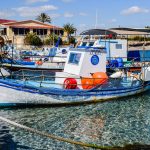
column 15, row 31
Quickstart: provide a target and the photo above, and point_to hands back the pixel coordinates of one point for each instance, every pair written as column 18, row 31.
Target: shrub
column 52, row 39
column 32, row 39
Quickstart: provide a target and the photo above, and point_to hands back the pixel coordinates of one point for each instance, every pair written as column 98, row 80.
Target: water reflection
column 119, row 122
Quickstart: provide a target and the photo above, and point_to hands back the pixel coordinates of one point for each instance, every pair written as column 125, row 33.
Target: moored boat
column 84, row 79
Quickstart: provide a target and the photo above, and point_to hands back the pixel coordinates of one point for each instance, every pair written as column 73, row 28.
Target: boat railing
column 49, row 81
column 117, row 62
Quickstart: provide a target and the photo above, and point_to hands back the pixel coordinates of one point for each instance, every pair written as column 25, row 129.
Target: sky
column 83, row 14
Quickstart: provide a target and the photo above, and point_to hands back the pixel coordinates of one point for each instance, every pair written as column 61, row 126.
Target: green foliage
column 69, row 29
column 72, row 40
column 43, row 17
column 52, row 39
column 139, row 38
column 32, row 39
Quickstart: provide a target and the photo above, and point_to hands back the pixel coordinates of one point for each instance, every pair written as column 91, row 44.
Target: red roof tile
column 6, row 21
column 23, row 24
column 35, row 27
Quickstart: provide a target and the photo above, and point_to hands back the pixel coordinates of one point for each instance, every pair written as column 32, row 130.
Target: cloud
column 134, row 10
column 6, row 14
column 53, row 16
column 82, row 14
column 35, row 1
column 66, row 1
column 68, row 15
column 113, row 20
column 33, row 11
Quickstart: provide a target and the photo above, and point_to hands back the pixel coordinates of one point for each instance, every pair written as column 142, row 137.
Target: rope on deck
column 53, row 136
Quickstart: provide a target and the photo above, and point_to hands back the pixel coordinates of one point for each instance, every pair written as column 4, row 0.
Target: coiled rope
column 53, row 136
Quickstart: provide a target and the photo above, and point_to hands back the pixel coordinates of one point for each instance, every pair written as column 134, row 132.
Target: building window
column 20, row 31
column 4, row 31
column 27, row 31
column 74, row 58
column 16, row 31
column 45, row 31
column 118, row 46
column 40, row 31
column 61, row 32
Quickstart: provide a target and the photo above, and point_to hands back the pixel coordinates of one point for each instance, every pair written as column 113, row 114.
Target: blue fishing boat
column 83, row 80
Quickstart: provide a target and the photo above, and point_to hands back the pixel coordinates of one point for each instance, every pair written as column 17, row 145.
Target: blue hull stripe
column 79, row 93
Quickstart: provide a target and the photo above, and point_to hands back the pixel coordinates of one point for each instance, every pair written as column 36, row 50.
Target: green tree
column 43, row 17
column 32, row 39
column 69, row 29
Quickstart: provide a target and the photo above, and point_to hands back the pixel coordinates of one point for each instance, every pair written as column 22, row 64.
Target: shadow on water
column 6, row 140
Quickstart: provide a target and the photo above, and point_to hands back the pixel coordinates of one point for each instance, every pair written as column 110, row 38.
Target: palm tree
column 69, row 29
column 43, row 17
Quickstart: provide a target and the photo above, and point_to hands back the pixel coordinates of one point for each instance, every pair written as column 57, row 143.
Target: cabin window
column 91, row 43
column 84, row 44
column 74, row 58
column 118, row 46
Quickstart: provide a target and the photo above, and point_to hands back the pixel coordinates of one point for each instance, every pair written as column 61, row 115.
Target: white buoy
column 116, row 75
column 4, row 72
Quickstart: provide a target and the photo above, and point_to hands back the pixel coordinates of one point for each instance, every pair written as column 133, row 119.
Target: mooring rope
column 53, row 136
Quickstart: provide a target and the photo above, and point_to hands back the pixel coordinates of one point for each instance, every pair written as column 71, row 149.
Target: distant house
column 131, row 31
column 15, row 31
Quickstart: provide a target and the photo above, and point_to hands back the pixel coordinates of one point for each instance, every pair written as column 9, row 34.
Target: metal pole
column 127, row 47
column 12, row 53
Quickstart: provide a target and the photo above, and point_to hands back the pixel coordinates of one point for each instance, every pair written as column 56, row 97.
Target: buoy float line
column 53, row 136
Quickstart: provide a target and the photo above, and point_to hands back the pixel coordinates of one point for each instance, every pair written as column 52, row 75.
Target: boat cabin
column 114, row 47
column 82, row 63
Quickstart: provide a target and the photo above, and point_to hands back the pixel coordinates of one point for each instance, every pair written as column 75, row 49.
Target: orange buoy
column 99, row 78
column 70, row 83
column 39, row 62
column 87, row 83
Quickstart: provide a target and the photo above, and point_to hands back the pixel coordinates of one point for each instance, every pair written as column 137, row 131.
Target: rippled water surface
column 118, row 122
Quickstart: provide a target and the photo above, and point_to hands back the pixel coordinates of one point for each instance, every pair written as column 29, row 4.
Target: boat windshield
column 91, row 43
column 74, row 58
column 84, row 44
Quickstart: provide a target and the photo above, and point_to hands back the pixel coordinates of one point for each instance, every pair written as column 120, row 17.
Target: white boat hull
column 13, row 97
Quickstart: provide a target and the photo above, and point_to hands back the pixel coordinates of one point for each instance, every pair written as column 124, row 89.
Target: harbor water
column 114, row 123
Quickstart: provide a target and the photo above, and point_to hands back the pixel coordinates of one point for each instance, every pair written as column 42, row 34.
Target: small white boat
column 83, row 80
